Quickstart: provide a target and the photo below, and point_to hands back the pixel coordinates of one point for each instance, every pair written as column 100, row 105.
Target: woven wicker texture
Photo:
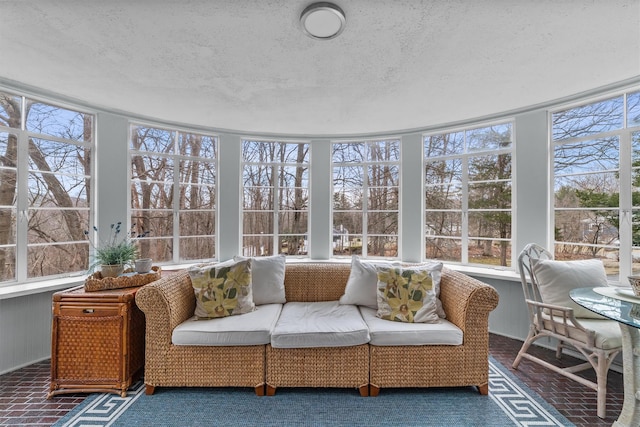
column 467, row 303
column 318, row 367
column 97, row 341
column 89, row 349
column 309, row 282
column 169, row 302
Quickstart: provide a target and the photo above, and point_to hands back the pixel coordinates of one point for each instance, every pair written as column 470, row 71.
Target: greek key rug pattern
column 520, row 407
column 517, row 403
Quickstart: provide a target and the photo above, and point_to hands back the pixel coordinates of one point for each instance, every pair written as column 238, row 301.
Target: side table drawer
column 87, row 311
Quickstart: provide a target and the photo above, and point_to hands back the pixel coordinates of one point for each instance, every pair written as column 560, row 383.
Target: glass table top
column 613, row 308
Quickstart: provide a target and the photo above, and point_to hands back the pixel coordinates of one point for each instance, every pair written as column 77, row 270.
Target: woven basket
column 96, row 282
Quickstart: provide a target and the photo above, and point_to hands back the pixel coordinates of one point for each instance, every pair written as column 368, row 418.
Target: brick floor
column 23, row 392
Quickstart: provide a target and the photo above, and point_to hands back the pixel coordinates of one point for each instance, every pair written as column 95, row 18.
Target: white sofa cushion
column 319, row 324
column 267, row 278
column 363, row 280
column 253, row 328
column 387, row 332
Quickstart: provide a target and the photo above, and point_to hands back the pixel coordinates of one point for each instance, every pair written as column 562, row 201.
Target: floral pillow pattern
column 222, row 289
column 406, row 295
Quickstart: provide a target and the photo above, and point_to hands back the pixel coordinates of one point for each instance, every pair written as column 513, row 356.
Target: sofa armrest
column 166, row 303
column 467, row 302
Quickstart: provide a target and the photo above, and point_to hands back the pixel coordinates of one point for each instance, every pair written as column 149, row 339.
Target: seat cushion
column 253, row 328
column 387, row 332
column 319, row 324
column 608, row 334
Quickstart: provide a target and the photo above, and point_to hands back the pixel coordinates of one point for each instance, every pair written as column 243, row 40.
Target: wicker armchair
column 585, row 335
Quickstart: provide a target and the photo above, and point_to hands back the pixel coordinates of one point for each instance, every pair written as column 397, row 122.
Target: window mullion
column 22, row 207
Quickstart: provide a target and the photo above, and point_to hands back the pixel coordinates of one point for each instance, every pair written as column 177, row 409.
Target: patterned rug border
column 521, row 405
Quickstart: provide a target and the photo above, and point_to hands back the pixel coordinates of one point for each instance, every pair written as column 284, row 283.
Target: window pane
column 444, row 145
column 197, row 223
column 158, row 249
column 155, row 223
column 383, row 198
column 489, row 138
column 490, row 167
column 257, row 176
column 147, row 195
column 447, row 223
column 152, row 168
column 347, row 176
column 48, row 260
column 257, row 222
column 384, row 151
column 588, row 119
column 586, row 156
column 293, row 244
column 197, row 172
column 490, row 252
column 383, row 246
column 490, row 224
column 347, row 222
column 587, row 226
column 490, row 195
column 443, row 249
column 11, row 106
column 194, row 145
column 633, row 109
column 197, row 197
column 253, row 246
column 258, row 198
column 349, row 153
column 55, row 121
column 8, row 266
column 192, row 248
column 444, row 171
column 292, row 222
column 385, row 222
column 444, row 197
column 152, row 139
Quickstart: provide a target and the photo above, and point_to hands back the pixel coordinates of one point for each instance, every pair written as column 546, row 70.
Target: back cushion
column 557, row 278
column 309, row 282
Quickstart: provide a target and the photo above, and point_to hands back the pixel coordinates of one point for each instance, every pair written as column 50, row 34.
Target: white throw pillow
column 557, row 278
column 362, row 283
column 267, row 275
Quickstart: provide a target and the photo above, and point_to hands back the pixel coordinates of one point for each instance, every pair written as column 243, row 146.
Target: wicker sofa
column 170, row 301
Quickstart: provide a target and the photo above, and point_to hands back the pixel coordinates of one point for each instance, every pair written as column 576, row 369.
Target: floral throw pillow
column 406, row 295
column 222, row 289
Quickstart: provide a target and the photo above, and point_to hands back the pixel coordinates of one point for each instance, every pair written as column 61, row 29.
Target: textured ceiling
column 245, row 65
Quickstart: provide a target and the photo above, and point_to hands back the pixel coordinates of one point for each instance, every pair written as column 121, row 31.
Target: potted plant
column 114, row 254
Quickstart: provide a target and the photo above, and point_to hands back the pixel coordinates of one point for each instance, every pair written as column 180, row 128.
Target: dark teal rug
column 510, row 403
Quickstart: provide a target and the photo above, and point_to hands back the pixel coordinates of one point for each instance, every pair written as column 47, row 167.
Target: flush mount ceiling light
column 322, row 20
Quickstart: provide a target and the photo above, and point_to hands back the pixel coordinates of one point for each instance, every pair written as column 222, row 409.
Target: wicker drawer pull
column 88, row 310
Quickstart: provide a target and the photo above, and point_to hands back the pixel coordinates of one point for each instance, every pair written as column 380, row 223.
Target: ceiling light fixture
column 322, row 21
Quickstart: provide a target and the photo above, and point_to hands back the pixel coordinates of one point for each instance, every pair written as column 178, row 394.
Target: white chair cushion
column 608, row 334
column 319, row 324
column 557, row 278
column 387, row 332
column 253, row 328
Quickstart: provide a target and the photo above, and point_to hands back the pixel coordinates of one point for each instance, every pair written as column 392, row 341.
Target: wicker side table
column 97, row 341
